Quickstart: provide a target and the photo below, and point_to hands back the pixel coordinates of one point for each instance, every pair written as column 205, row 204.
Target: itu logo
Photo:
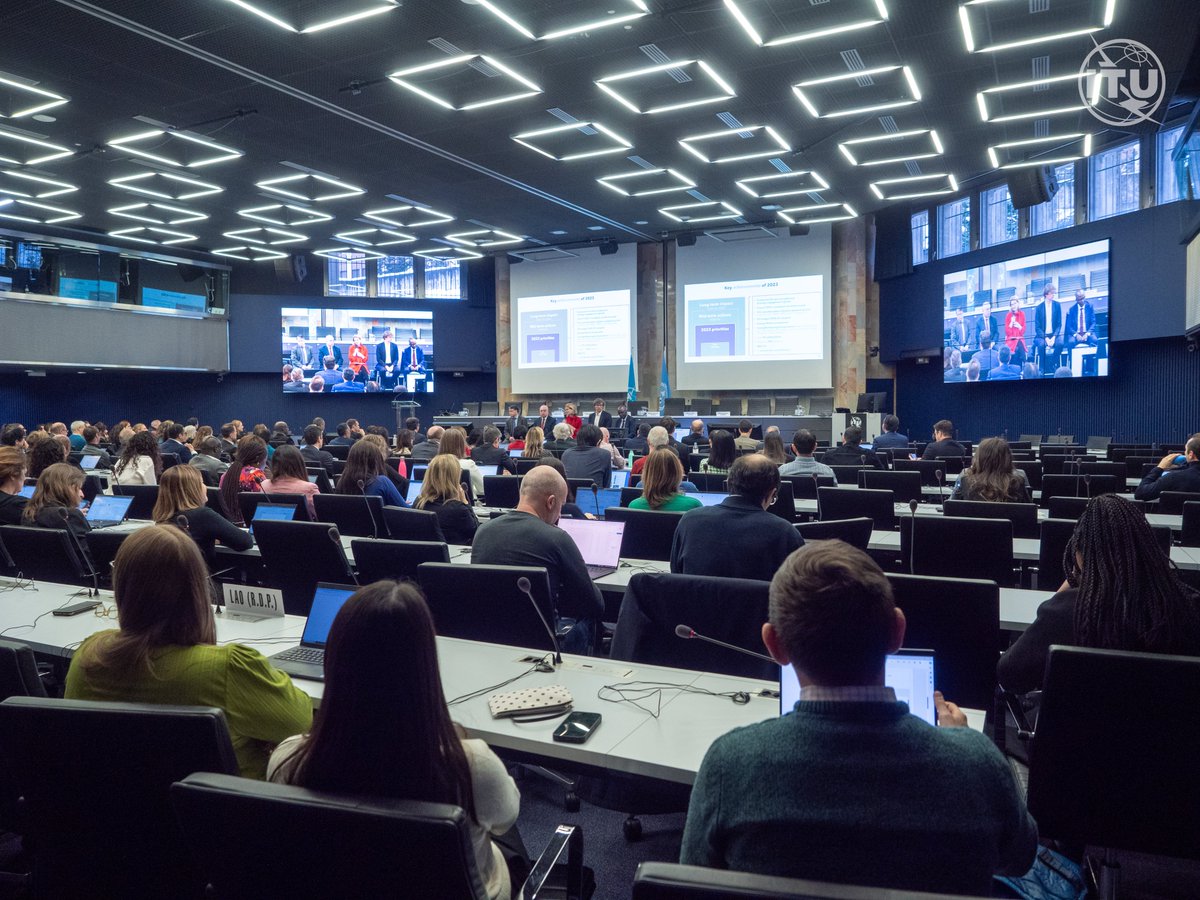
column 1122, row 82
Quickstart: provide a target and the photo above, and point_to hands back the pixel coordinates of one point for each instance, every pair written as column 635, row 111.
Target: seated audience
column 1006, row 370
column 849, row 786
column 427, row 449
column 442, row 492
column 404, row 444
column 638, row 443
column 45, row 453
column 289, row 476
column 366, row 475
column 140, row 462
column 743, row 441
column 737, row 538
column 166, row 651
column 174, row 443
column 518, row 437
column 55, row 504
column 313, row 440
column 564, row 438
column 395, row 468
column 384, row 731
column 657, row 438
column 952, row 371
column 244, row 475
column 489, row 452
column 570, row 509
column 454, row 442
column 850, row 453
column 13, row 436
column 534, row 447
column 588, row 459
column 1121, row 593
column 891, row 436
column 944, row 445
column 696, row 435
column 91, row 447
column 661, row 478
column 76, row 437
column 992, row 476
column 181, row 494
column 413, row 424
column 804, row 443
column 207, row 460
column 773, row 448
column 618, row 461
column 344, row 438
column 1171, row 475
column 12, row 479
column 973, row 370
column 723, row 451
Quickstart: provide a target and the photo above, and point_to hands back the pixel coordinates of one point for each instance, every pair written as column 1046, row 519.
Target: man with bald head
column 529, row 536
column 431, row 446
column 696, row 435
column 738, row 538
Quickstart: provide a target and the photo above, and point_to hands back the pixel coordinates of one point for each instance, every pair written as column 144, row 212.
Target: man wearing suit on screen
column 387, row 361
column 952, row 370
column 1005, row 371
column 1048, row 329
column 329, row 348
column 960, row 332
column 985, row 325
column 1080, row 326
column 412, row 358
column 302, row 356
column 600, row 418
column 544, row 420
column 329, row 375
column 987, row 357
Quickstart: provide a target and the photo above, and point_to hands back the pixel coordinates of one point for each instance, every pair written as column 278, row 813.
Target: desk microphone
column 817, row 493
column 362, row 489
column 685, row 632
column 596, row 498
column 1087, row 483
column 941, row 480
column 1077, row 474
column 337, row 542
column 912, row 536
column 524, row 586
column 84, row 559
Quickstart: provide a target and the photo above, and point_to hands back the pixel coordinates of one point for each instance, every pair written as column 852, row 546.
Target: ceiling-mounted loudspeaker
column 798, row 230
column 686, row 239
column 292, row 269
column 1030, row 186
column 608, row 248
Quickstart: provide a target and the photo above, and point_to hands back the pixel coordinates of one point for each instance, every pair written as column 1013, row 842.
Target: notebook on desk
column 908, row 672
column 106, row 510
column 308, row 660
column 599, row 543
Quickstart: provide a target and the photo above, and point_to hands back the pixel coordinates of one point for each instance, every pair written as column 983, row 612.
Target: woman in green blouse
column 661, row 478
column 166, row 651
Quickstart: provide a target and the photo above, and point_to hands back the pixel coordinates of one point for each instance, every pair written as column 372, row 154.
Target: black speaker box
column 480, row 283
column 1030, row 186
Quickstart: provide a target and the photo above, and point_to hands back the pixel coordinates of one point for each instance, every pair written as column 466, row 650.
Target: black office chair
column 1136, row 466
column 405, row 524
column 1190, row 534
column 855, row 532
column 847, row 474
column 248, row 504
column 709, row 482
column 672, row 881
column 169, row 460
column 1171, row 502
column 144, row 497
column 1024, row 516
column 785, row 502
column 94, row 780
column 484, row 603
column 377, row 560
column 213, row 500
column 502, row 490
column 1088, row 467
column 929, row 468
column 1109, row 770
column 904, row 486
column 958, row 548
column 728, row 609
column 1055, row 533
column 46, row 554
column 1033, row 472
column 525, row 465
column 19, row 674
column 357, row 515
column 339, row 839
column 804, row 487
column 298, row 555
column 648, row 534
column 629, row 494
column 103, row 546
column 1067, row 507
column 851, row 503
column 324, row 485
column 1079, row 485
column 338, row 451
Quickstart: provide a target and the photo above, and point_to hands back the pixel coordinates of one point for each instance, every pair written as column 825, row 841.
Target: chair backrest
column 102, row 547
column 1090, row 467
column 213, row 499
column 759, row 406
column 525, row 465
column 18, row 671
column 855, row 532
column 44, row 554
column 1107, row 768
column 248, row 504
column 629, row 494
column 502, row 490
column 846, row 474
column 672, row 881
column 1078, row 485
column 728, row 609
column 674, row 406
column 1135, row 464
column 144, row 497
column 1054, row 535
column 648, row 534
column 904, row 486
column 377, row 560
column 94, row 780
column 404, row 524
column 957, row 547
column 804, row 487
column 484, row 603
column 929, row 469
column 850, row 503
column 338, row 451
column 1033, row 472
column 1024, row 516
column 1171, row 502
column 354, row 514
column 1067, row 507
column 169, row 460
column 710, row 482
column 1190, row 534
column 298, row 555
column 785, row 502
column 959, row 620
column 324, row 485
column 332, row 842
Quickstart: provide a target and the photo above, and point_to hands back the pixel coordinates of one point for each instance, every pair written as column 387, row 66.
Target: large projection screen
column 571, row 325
column 754, row 315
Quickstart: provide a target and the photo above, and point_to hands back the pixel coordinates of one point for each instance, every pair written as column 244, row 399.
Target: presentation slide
column 759, row 320
column 357, row 351
column 573, row 329
column 88, row 289
column 160, row 299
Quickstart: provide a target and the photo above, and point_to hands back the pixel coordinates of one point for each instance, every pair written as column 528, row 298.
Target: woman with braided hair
column 1121, row 593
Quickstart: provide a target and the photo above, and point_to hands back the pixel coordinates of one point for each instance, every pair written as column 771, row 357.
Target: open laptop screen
column 327, row 600
column 909, row 673
column 618, row 479
column 88, row 461
column 277, row 511
column 488, row 470
column 708, row 498
column 599, row 542
column 414, row 491
column 108, row 509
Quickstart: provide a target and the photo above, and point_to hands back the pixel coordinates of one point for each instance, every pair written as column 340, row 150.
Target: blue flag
column 664, row 386
column 631, row 393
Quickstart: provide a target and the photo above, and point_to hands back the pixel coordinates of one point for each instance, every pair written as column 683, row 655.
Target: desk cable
column 633, row 692
column 542, row 665
column 20, row 583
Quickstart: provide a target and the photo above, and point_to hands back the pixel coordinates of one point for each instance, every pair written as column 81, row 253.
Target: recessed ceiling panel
column 646, row 182
column 285, row 215
column 1051, row 150
column 785, row 184
column 15, row 183
column 404, row 215
column 701, row 211
column 446, row 253
column 265, row 235
column 484, row 238
column 812, row 213
column 465, row 82
column 18, row 148
column 157, row 213
column 35, row 211
column 550, row 19
column 309, row 187
column 153, row 234
column 250, row 253
column 884, row 149
column 770, row 23
column 374, row 237
column 165, row 185
column 182, row 149
column 1041, row 98
column 914, row 186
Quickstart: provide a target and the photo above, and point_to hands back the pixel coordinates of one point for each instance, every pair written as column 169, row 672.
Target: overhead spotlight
column 798, row 230
column 686, row 239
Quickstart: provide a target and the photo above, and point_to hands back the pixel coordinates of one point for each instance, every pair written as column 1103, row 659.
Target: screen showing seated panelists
column 1026, row 319
column 357, row 351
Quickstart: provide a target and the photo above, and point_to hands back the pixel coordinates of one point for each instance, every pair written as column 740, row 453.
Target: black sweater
column 1022, row 667
column 207, row 526
column 12, row 506
column 456, row 519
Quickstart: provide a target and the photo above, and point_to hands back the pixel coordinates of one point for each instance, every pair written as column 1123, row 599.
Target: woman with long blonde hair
column 454, row 442
column 12, row 479
column 181, row 494
column 534, row 444
column 442, row 493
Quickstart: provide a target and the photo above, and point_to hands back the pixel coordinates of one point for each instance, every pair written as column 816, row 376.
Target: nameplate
column 690, row 412
column 254, row 603
column 723, row 414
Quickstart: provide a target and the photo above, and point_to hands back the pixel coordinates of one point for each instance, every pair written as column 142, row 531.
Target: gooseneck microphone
column 337, row 542
column 84, row 559
column 686, row 632
column 941, row 480
column 596, row 497
column 525, row 587
column 912, row 536
column 362, row 489
column 1087, row 483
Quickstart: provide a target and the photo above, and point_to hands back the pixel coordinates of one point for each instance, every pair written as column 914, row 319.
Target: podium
column 868, row 422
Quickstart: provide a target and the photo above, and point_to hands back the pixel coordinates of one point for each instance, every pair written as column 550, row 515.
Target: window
column 1172, row 178
column 998, row 222
column 442, row 278
column 920, row 237
column 1059, row 211
column 396, row 277
column 1114, row 183
column 954, row 227
column 346, row 274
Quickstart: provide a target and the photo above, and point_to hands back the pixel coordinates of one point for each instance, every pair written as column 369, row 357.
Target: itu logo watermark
column 1122, row 82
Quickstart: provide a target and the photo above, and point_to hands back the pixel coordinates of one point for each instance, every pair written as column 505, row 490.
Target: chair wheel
column 632, row 829
column 571, row 802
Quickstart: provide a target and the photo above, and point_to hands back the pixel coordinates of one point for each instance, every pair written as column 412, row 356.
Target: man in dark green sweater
column 849, row 787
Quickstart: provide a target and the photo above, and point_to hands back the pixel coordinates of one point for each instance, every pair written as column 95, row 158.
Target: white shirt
column 1048, row 306
column 139, row 471
column 476, row 476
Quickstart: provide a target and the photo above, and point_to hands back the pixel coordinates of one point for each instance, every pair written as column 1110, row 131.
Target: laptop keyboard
column 595, row 572
column 314, row 655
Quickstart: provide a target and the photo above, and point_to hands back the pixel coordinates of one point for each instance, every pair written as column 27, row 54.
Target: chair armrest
column 568, row 839
column 1016, row 708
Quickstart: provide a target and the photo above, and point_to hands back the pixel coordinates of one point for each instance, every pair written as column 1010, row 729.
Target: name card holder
column 252, row 603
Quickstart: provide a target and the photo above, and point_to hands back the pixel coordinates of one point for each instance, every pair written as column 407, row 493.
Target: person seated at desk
column 587, row 459
column 454, row 442
column 618, row 461
column 571, row 509
column 696, row 436
column 1007, row 370
column 639, row 443
column 743, row 441
column 181, row 495
column 348, row 385
column 430, row 447
column 622, row 422
column 174, row 443
column 12, row 479
column 1121, row 593
column 140, row 462
column 544, row 420
column 14, row 435
column 75, row 439
column 289, row 475
column 534, row 445
column 245, row 475
column 803, row 444
column 891, row 437
column 737, row 538
column 944, row 445
column 527, row 536
column 302, row 355
column 721, row 453
column 661, row 480
column 344, row 437
column 773, row 448
column 55, row 504
column 514, row 421
column 394, row 468
column 489, row 453
column 801, row 795
column 656, row 438
column 1169, row 476
column 986, row 356
column 1080, row 324
column 563, row 439
column 91, row 447
column 952, row 372
column 600, row 417
column 517, row 437
column 166, row 651
column 385, row 732
column 365, row 475
column 313, row 439
column 992, row 476
column 207, row 460
column 442, row 492
column 850, row 453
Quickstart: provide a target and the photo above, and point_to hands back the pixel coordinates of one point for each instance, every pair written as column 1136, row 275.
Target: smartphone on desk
column 577, row 728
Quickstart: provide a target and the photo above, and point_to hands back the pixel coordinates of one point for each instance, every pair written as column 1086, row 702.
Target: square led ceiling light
column 35, row 211
column 858, row 93
column 786, row 184
column 350, row 253
column 374, row 237
column 814, row 213
column 181, row 149
column 577, row 140
column 308, row 18
column 736, row 144
column 157, row 213
column 309, row 187
column 406, row 215
column 152, row 234
column 885, row 149
column 1051, row 150
column 647, row 182
column 773, row 24
column 552, row 19
column 484, row 237
column 1039, row 98
column 466, row 82
column 285, row 215
column 667, row 87
column 447, row 254
column 265, row 235
column 20, row 149
column 165, row 185
column 990, row 26
column 250, row 253
column 15, row 183
column 703, row 211
column 20, row 97
column 915, row 186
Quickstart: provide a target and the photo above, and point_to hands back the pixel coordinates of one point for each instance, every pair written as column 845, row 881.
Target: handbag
column 531, row 704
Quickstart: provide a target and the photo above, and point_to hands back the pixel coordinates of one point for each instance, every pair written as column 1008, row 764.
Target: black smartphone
column 76, row 608
column 577, row 727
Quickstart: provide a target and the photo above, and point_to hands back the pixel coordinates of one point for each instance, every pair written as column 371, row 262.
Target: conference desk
column 820, row 426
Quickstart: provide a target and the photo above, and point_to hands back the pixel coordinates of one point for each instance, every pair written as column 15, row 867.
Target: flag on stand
column 631, row 393
column 664, row 386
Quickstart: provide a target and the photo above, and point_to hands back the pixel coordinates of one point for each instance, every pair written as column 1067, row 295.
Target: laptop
column 106, row 510
column 308, row 660
column 27, row 491
column 488, row 470
column 414, row 491
column 618, row 480
column 599, row 543
column 681, row 433
column 515, row 454
column 418, row 472
column 708, row 498
column 909, row 673
column 278, row 512
column 88, row 461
